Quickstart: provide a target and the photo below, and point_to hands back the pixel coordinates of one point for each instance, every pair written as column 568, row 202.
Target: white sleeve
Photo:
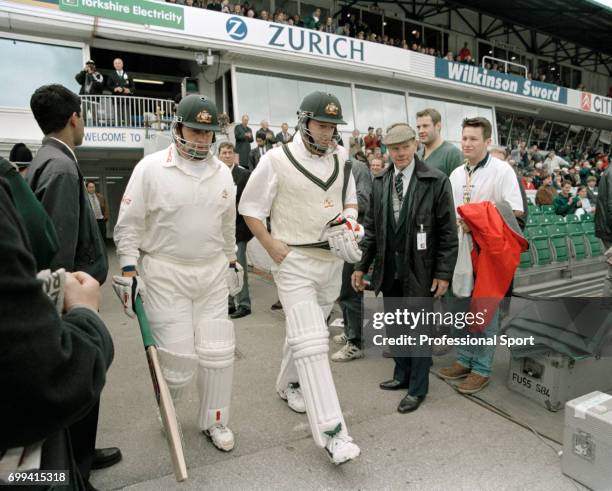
column 229, row 225
column 511, row 192
column 260, row 191
column 351, row 192
column 130, row 224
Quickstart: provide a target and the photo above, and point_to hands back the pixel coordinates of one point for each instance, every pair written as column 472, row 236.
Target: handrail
column 505, row 63
column 127, row 111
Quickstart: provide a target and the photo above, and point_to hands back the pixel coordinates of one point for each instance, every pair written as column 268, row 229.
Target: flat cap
column 399, row 133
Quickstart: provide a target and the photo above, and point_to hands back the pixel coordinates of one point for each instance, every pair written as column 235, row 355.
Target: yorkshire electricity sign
column 136, row 11
column 499, row 82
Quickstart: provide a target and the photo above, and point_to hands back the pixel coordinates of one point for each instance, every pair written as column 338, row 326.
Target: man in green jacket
column 564, row 202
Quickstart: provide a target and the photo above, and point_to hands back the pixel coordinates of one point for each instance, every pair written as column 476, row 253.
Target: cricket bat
column 162, row 395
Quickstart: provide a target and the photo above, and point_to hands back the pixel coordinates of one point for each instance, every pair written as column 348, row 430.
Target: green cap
column 322, row 107
column 198, row 112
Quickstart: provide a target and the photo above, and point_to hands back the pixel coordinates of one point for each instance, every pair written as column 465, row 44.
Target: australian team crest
column 204, row 117
column 332, row 109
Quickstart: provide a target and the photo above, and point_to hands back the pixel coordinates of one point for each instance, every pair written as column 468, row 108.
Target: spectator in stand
column 250, row 14
column 237, row 10
column 244, row 137
column 534, row 154
column 370, row 140
column 263, row 146
column 344, row 30
column 564, row 202
column 263, row 15
column 265, row 129
column 592, row 192
column 404, row 44
column 376, row 167
column 362, row 158
column 119, row 82
column 279, row 17
column 527, row 182
column 465, row 52
column 520, row 155
column 90, row 80
column 450, row 56
column 356, row 143
column 329, row 25
column 436, row 152
column 573, row 176
column 297, row 21
column 415, row 38
column 214, row 5
column 381, row 145
column 584, row 172
column 553, row 162
column 283, row 136
column 546, row 192
column 583, row 201
column 361, row 35
column 313, row 21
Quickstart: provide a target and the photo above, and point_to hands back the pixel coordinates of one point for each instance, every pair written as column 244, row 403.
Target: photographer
column 90, row 80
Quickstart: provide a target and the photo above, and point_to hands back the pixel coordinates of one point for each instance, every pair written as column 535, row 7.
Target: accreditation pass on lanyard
column 421, row 239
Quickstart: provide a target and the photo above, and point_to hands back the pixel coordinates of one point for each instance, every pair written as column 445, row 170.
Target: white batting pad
column 178, row 370
column 215, row 345
column 307, row 337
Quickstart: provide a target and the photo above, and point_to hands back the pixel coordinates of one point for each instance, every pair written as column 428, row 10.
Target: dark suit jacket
column 279, row 137
column 434, row 209
column 241, row 177
column 97, row 82
column 57, row 182
column 254, row 156
column 113, row 80
column 244, row 137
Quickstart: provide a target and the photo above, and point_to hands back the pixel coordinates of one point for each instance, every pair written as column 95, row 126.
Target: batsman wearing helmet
column 307, row 189
column 178, row 213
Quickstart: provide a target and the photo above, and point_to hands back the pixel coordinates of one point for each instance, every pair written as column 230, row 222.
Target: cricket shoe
column 340, row 339
column 293, row 395
column 340, row 449
column 221, row 437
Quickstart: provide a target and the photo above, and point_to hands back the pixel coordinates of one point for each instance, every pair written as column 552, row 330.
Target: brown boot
column 473, row 384
column 455, row 372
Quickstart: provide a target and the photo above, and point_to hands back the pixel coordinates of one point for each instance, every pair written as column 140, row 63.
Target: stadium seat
column 545, row 220
column 548, row 209
column 587, row 217
column 595, row 246
column 558, row 241
column 526, row 261
column 535, row 211
column 540, row 244
column 576, row 237
column 531, row 222
column 572, row 218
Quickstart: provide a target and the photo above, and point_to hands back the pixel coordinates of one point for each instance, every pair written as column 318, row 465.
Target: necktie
column 399, row 186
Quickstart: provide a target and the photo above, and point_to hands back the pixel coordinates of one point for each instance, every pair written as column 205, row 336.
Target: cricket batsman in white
column 178, row 213
column 307, row 189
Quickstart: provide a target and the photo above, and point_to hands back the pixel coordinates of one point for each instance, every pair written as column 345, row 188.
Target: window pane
column 379, row 109
column 39, row 64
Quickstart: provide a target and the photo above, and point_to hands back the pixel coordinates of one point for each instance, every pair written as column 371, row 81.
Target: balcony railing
column 127, row 111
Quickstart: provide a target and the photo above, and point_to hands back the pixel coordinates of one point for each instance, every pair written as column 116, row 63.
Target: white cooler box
column 587, row 441
column 551, row 379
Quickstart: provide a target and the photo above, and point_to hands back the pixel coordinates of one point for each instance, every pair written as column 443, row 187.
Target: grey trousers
column 351, row 302
column 243, row 299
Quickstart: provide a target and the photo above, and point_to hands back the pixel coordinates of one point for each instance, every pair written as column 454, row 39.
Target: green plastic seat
column 587, row 217
column 558, row 242
column 535, row 211
column 572, row 219
column 545, row 220
column 526, row 261
column 531, row 222
column 548, row 209
column 576, row 237
column 540, row 245
column 588, row 227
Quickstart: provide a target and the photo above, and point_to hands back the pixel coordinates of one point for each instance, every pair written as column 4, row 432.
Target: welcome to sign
column 499, row 82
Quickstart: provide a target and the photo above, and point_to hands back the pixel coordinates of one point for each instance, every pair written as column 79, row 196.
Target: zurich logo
column 236, row 28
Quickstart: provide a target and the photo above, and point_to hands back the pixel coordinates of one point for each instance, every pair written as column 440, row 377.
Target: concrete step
column 588, row 285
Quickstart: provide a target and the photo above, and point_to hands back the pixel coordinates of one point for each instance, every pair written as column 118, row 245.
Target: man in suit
column 99, row 207
column 244, row 138
column 263, row 145
column 243, row 234
column 57, row 181
column 283, row 136
column 118, row 81
column 411, row 238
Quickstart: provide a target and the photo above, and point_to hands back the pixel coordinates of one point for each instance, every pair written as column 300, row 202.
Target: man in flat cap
column 411, row 237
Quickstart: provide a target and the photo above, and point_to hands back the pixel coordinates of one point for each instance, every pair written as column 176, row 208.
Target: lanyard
column 467, row 189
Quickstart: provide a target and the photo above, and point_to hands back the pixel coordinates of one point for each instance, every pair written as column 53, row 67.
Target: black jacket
column 57, row 182
column 254, row 156
column 94, row 81
column 52, row 369
column 603, row 212
column 433, row 207
column 113, row 80
column 241, row 177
